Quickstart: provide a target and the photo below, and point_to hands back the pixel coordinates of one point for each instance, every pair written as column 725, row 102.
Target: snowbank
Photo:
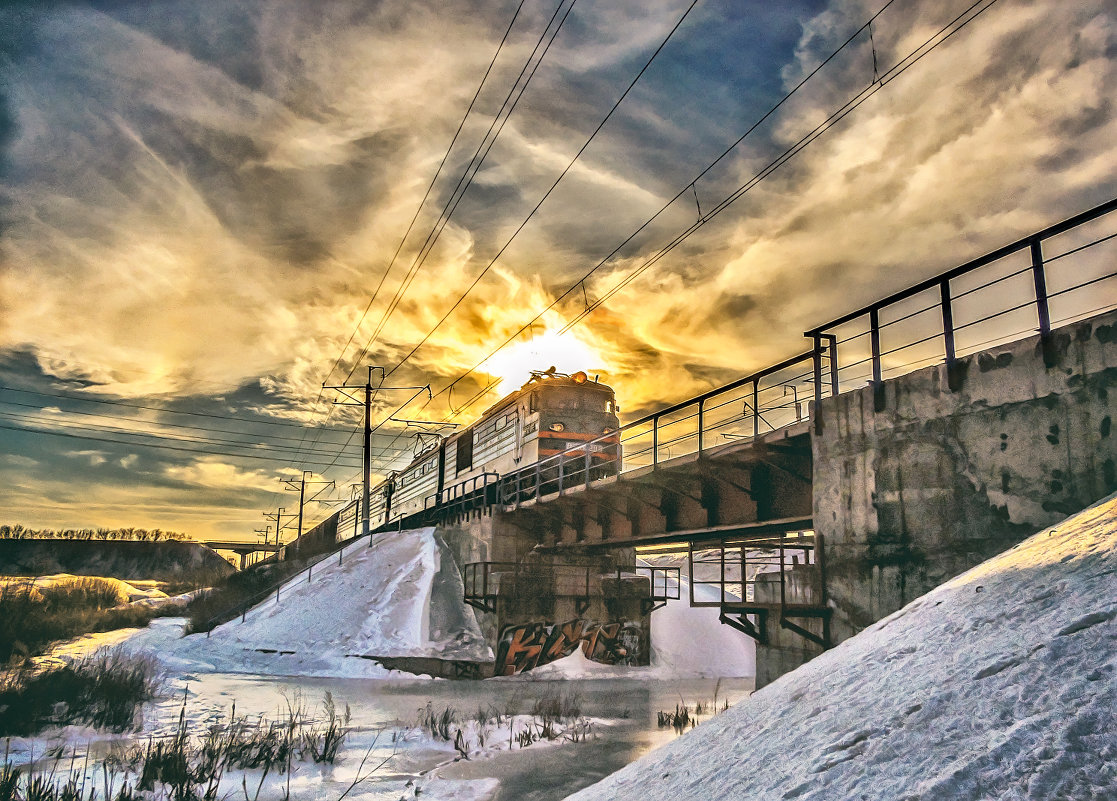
column 126, row 592
column 691, row 640
column 999, row 684
column 398, row 595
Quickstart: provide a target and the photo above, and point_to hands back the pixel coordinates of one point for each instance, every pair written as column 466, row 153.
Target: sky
column 209, row 210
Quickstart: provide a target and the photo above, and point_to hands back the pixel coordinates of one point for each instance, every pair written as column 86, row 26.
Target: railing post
column 1042, row 311
column 755, row 408
column 561, row 475
column 701, row 427
column 832, row 350
column 817, row 360
column 874, row 341
column 655, row 441
column 947, row 322
column 587, row 465
column 538, row 482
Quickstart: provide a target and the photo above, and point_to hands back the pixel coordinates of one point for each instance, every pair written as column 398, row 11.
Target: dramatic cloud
column 199, row 199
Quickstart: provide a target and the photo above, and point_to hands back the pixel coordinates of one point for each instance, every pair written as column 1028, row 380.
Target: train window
column 576, row 399
column 464, row 456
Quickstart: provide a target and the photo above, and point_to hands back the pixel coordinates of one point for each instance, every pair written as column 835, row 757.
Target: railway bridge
column 914, row 438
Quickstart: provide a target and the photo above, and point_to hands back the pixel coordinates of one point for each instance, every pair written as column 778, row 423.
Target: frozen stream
column 384, row 714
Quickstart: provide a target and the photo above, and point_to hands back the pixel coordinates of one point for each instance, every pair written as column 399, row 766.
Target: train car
column 548, row 415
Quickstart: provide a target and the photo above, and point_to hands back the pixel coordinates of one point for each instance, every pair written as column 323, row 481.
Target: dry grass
column 104, row 690
column 34, row 616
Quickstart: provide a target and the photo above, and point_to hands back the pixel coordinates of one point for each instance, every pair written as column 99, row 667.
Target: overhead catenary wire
column 270, row 458
column 551, row 189
column 364, row 351
column 702, row 174
column 426, row 195
column 145, row 407
column 913, row 57
column 466, row 179
column 53, row 420
column 157, row 423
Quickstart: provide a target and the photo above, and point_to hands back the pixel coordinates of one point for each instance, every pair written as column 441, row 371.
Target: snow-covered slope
column 691, row 640
column 399, row 595
column 1001, row 683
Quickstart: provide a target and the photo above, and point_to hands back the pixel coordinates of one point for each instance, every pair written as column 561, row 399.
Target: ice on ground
column 397, row 595
column 1001, row 683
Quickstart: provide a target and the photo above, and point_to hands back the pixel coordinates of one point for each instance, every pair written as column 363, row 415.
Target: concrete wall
column 786, row 650
column 927, row 482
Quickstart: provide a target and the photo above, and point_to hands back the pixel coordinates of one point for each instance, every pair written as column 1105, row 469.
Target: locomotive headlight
column 557, row 427
column 607, row 430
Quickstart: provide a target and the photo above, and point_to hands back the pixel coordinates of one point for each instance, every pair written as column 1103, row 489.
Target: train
column 551, row 413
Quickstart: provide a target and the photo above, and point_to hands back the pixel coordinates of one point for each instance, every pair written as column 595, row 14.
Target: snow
column 1001, row 683
column 691, row 640
column 398, row 595
column 127, row 592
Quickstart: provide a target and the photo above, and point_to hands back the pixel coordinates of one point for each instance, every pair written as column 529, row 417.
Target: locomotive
column 551, row 414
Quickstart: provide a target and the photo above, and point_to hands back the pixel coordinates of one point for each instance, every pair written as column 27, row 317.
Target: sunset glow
column 212, row 209
column 565, row 352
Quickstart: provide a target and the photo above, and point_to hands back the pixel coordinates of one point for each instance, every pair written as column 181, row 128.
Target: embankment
column 160, row 561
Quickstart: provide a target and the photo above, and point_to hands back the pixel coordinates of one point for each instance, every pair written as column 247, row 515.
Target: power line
column 668, row 204
column 426, row 195
column 105, row 428
column 161, row 409
column 160, row 424
column 474, row 165
column 843, row 111
column 908, row 61
column 384, row 275
column 155, row 445
column 547, row 194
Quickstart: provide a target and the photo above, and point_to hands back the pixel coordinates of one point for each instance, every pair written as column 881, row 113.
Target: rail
column 1049, row 278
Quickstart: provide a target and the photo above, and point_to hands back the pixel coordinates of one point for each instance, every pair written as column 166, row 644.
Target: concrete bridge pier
column 931, row 473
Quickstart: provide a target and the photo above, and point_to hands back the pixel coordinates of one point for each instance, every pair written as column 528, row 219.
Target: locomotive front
column 576, row 414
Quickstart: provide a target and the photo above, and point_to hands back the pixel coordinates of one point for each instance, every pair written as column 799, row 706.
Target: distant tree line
column 21, row 532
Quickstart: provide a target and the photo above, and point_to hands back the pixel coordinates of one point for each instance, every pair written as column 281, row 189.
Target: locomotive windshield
column 577, row 399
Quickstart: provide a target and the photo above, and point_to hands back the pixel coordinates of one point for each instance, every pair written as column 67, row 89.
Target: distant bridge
column 242, row 549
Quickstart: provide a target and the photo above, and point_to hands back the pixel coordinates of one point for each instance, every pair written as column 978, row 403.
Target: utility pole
column 366, row 402
column 300, row 485
column 278, row 518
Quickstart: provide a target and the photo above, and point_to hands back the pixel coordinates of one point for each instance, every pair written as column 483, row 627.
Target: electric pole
column 300, row 485
column 366, row 402
column 277, row 518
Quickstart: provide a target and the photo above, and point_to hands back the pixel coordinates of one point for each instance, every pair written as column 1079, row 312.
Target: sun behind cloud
column 565, row 352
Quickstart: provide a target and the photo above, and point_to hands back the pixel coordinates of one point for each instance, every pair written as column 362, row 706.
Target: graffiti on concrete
column 528, row 645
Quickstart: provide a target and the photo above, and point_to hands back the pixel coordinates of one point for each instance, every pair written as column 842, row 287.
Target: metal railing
column 241, row 607
column 482, row 581
column 1052, row 277
column 473, row 494
column 764, row 401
